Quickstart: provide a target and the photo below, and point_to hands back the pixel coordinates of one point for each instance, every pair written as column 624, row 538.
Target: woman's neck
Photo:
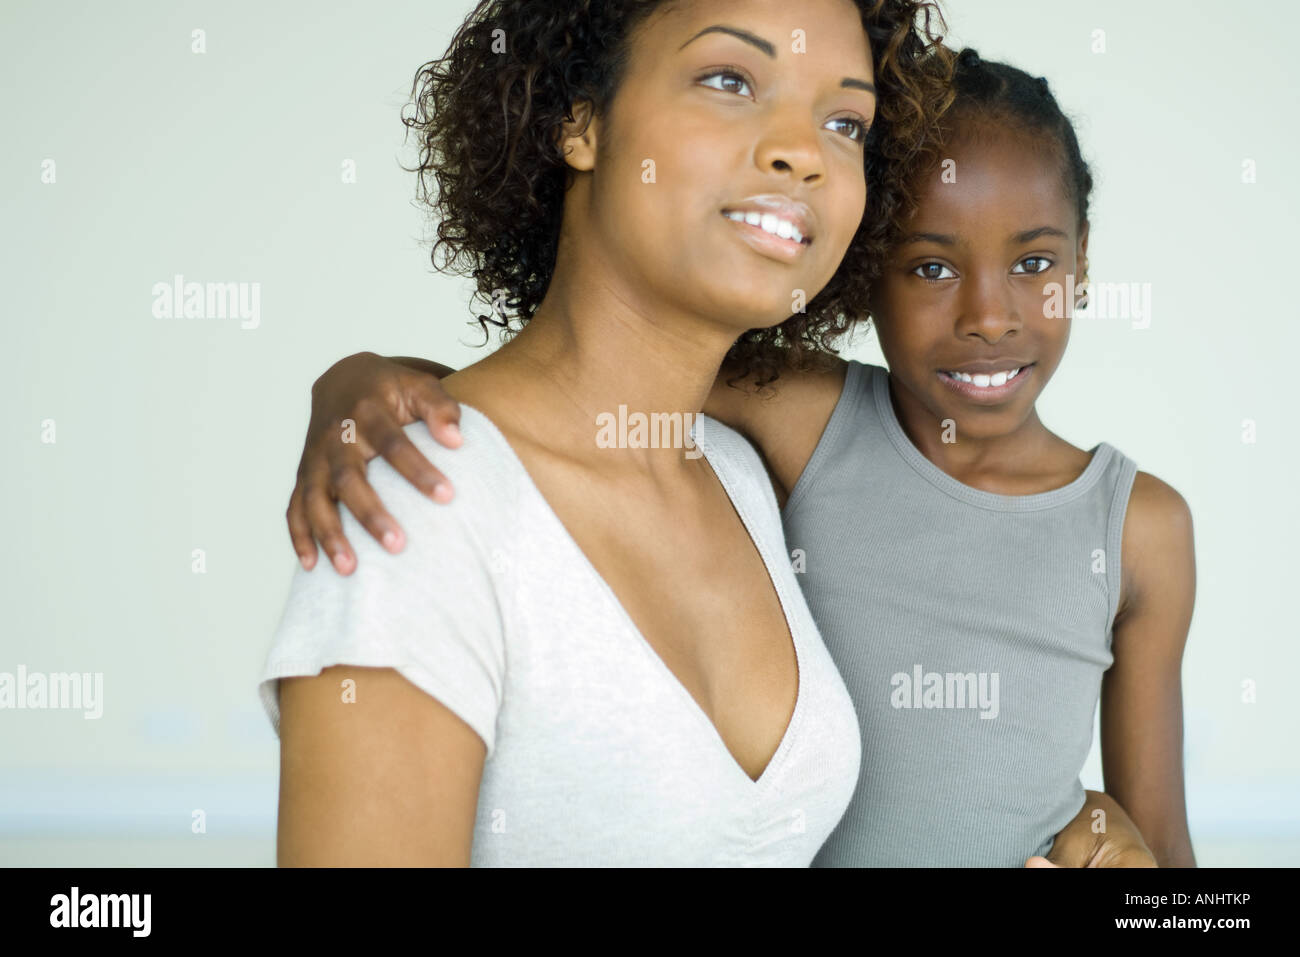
column 576, row 365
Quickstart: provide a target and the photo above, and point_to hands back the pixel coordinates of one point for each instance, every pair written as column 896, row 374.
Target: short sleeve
column 432, row 611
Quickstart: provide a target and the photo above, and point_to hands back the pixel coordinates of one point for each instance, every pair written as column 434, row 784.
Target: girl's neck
column 996, row 463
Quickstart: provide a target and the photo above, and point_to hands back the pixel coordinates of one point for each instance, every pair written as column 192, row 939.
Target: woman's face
column 970, row 284
column 704, row 121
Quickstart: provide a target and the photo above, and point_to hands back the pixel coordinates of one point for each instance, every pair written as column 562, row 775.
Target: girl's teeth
column 986, row 381
column 769, row 223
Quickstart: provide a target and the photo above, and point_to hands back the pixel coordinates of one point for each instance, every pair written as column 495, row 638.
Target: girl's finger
column 323, row 517
column 300, row 530
column 389, row 439
column 363, row 502
column 440, row 412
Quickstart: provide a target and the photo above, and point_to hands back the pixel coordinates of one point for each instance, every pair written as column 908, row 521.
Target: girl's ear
column 1081, row 267
column 577, row 137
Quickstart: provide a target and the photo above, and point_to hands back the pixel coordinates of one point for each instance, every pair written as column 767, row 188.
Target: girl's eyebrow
column 1029, row 235
column 848, row 82
column 1018, row 239
column 941, row 238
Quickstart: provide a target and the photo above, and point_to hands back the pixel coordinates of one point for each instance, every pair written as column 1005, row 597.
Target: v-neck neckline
column 786, row 743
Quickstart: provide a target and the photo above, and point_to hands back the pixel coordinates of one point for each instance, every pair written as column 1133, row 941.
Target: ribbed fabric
column 909, row 573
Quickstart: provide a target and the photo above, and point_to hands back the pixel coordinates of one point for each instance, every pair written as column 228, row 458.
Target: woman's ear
column 577, row 137
column 1083, row 246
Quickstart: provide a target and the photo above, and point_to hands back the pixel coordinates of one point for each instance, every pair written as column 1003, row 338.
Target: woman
column 667, row 700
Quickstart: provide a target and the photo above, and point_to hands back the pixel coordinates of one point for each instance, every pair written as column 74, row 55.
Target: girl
column 977, row 579
column 713, row 729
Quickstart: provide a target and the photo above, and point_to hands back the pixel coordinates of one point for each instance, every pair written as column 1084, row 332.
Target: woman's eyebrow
column 770, row 50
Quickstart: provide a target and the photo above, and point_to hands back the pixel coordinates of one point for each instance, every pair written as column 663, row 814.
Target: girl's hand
column 1120, row 844
column 358, row 410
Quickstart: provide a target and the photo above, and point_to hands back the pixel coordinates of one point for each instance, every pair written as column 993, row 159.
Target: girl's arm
column 785, row 420
column 1141, row 693
column 358, row 408
column 361, row 403
column 1092, row 839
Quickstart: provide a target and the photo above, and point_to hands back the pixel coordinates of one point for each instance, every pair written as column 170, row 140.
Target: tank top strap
column 851, row 417
column 1118, row 480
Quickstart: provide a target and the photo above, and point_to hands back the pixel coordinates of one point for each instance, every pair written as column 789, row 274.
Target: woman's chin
column 743, row 314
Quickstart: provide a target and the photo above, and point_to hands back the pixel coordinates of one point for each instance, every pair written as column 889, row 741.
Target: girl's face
column 967, row 288
column 705, row 120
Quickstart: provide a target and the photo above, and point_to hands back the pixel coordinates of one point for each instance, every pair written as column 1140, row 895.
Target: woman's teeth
column 986, row 381
column 769, row 223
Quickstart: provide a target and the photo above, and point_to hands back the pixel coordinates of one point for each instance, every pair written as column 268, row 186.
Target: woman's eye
column 725, row 73
column 861, row 127
column 725, row 77
column 934, row 271
column 1033, row 264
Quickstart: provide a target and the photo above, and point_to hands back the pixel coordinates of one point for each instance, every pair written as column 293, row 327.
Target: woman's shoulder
column 485, row 475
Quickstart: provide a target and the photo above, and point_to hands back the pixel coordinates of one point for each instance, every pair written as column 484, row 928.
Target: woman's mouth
column 769, row 234
column 986, row 387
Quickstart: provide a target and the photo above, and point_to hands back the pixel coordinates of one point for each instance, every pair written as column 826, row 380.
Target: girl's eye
column 933, row 272
column 1041, row 264
column 726, row 73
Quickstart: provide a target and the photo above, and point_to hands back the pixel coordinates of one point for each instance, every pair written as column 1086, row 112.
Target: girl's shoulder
column 1157, row 539
column 785, row 419
column 741, row 401
column 1158, row 517
column 1155, row 498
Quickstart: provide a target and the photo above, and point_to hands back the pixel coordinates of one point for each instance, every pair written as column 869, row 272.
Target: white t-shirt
column 596, row 753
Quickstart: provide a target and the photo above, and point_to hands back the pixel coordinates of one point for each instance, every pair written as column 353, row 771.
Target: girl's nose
column 988, row 309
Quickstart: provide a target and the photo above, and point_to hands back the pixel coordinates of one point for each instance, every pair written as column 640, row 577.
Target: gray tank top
column 971, row 629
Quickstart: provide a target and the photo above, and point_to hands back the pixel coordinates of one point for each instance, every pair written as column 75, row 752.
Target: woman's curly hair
column 487, row 115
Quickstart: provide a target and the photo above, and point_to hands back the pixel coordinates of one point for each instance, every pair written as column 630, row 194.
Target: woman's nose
column 789, row 144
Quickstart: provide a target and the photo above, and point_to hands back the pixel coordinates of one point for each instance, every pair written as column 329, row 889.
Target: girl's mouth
column 986, row 389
